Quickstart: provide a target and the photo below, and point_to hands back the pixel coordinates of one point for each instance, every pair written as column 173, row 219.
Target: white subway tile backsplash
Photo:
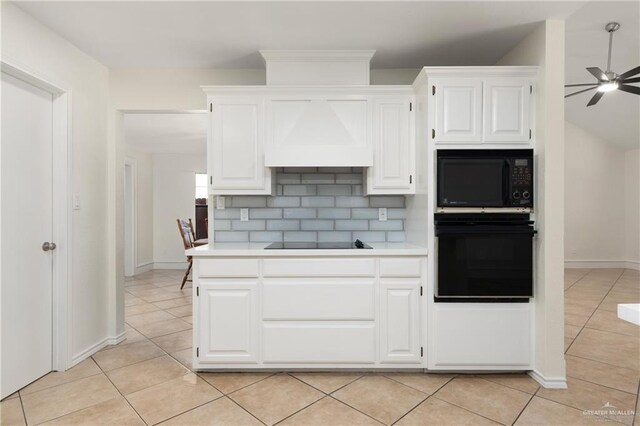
column 318, row 178
column 334, row 236
column 334, row 190
column 388, row 225
column 342, row 201
column 352, row 225
column 265, row 213
column 386, row 201
column 371, row 236
column 312, row 204
column 318, row 201
column 283, row 225
column 300, row 237
column 334, row 213
column 369, row 213
column 316, row 225
column 231, row 236
column 248, row 201
column 298, row 190
column 283, row 202
column 250, row 225
column 265, row 237
column 299, row 213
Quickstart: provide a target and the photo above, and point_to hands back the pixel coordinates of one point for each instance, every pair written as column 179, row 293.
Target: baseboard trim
column 170, row 265
column 604, row 264
column 144, row 267
column 113, row 340
column 549, row 383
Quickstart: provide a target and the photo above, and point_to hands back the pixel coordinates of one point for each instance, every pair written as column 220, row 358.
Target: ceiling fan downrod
column 611, row 28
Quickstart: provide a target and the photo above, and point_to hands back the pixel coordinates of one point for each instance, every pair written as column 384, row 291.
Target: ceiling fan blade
column 630, row 73
column 578, row 92
column 595, row 98
column 631, row 80
column 584, row 84
column 598, row 73
column 630, row 89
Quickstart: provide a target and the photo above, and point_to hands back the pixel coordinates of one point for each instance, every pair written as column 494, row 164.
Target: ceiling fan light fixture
column 608, row 86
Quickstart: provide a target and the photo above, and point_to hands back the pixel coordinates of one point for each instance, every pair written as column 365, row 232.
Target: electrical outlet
column 382, row 214
column 244, row 215
column 219, row 202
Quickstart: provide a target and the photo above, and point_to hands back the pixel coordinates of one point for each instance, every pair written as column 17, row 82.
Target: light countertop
column 257, row 250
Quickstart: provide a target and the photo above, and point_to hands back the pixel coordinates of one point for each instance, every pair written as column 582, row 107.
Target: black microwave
column 485, row 178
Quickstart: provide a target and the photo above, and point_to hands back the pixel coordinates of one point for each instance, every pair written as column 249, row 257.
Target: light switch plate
column 219, row 202
column 382, row 214
column 244, row 215
column 76, row 201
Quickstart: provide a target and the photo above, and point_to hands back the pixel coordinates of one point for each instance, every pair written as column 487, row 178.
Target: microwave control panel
column 521, row 181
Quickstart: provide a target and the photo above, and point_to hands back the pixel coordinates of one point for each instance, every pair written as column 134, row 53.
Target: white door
column 391, row 171
column 458, row 110
column 399, row 321
column 506, row 110
column 236, row 152
column 228, row 321
column 27, row 269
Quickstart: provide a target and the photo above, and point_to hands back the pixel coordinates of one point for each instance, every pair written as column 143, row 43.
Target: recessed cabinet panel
column 399, row 321
column 392, row 147
column 459, row 110
column 506, row 106
column 236, row 146
column 228, row 321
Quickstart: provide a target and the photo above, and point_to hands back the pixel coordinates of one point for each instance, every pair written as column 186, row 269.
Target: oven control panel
column 521, row 181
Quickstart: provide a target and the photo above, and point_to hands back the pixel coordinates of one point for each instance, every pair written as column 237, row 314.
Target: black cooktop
column 316, row 246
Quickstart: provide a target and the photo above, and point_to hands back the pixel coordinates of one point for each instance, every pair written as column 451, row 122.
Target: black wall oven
column 484, row 257
column 485, row 178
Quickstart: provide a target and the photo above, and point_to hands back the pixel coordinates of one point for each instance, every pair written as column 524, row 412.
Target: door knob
column 46, row 246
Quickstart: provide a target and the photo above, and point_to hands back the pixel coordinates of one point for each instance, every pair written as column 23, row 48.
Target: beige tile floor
column 147, row 378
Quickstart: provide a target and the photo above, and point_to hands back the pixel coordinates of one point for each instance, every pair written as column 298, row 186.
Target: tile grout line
column 466, row 409
column 523, row 408
column 579, row 279
column 324, row 395
column 24, row 413
column 592, row 313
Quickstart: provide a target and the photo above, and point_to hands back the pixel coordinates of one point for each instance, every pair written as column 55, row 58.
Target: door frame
column 133, row 243
column 62, row 180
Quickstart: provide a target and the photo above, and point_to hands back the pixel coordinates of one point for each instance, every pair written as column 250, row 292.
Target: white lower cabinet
column 227, row 321
column 400, row 321
column 487, row 336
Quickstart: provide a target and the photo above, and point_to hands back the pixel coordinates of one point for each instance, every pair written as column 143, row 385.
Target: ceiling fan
column 608, row 80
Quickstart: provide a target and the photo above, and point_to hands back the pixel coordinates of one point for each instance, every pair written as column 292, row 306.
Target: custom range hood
column 318, row 114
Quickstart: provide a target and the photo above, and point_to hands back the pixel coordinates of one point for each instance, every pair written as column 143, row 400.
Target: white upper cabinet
column 458, row 110
column 506, row 110
column 318, row 130
column 393, row 167
column 236, row 149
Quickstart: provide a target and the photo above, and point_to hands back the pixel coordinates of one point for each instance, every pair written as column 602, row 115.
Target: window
column 201, row 186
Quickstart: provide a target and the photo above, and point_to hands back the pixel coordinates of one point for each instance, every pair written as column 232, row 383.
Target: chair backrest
column 186, row 233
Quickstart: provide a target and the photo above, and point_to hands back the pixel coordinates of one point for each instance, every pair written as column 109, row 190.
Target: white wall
column 144, row 208
column 595, row 197
column 632, row 208
column 174, row 196
column 545, row 47
column 29, row 45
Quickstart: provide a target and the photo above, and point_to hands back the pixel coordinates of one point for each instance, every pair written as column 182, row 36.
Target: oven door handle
column 465, row 230
column 506, row 178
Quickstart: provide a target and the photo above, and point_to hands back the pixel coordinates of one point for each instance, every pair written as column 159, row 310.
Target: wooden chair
column 186, row 233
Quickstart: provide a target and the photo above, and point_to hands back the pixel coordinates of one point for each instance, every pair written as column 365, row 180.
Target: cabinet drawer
column 330, row 267
column 319, row 343
column 228, row 268
column 409, row 267
column 318, row 300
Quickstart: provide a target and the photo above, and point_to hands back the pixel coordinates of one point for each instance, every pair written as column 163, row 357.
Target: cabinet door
column 228, row 321
column 506, row 110
column 459, row 110
column 236, row 146
column 399, row 321
column 391, row 171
